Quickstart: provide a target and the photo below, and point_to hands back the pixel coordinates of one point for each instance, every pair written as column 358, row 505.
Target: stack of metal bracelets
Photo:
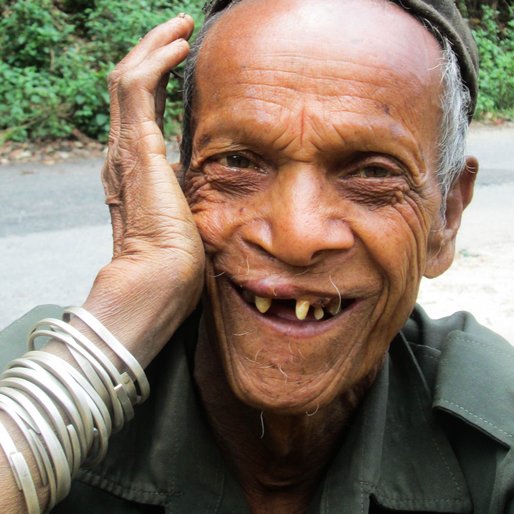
column 65, row 415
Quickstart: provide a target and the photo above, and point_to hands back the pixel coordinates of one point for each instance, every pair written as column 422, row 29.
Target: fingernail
column 181, row 15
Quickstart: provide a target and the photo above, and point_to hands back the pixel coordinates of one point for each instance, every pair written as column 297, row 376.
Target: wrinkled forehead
column 441, row 17
column 324, row 48
column 322, row 33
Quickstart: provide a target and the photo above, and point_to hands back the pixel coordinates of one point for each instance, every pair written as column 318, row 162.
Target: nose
column 302, row 219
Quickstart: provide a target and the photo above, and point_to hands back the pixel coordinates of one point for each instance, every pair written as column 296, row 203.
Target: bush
column 55, row 58
column 472, row 9
column 495, row 42
column 31, row 33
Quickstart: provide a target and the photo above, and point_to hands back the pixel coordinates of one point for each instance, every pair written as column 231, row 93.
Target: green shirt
column 433, row 434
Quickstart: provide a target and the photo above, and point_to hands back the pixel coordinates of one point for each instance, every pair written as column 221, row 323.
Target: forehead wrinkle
column 306, row 137
column 330, row 82
column 304, row 62
column 257, row 98
column 332, row 30
column 233, row 134
column 272, row 82
column 252, row 101
column 304, row 66
column 340, row 114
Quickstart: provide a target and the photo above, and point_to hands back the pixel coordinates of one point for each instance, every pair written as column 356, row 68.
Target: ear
column 441, row 242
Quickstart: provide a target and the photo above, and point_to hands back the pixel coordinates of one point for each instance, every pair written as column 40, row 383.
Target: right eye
column 236, row 161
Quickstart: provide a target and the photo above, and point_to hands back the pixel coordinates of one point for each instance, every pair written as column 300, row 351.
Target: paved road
column 55, row 235
column 38, row 198
column 494, row 147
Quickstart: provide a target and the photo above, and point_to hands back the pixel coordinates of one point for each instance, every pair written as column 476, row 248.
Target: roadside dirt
column 50, row 152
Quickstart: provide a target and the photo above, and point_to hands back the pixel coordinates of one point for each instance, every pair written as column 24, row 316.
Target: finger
column 180, row 27
column 138, row 105
column 160, row 101
column 176, row 28
column 137, row 88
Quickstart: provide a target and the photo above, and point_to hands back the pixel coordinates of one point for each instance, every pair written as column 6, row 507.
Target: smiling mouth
column 301, row 309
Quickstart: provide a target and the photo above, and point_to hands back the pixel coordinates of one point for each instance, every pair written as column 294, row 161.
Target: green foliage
column 31, row 33
column 472, row 9
column 29, row 103
column 55, row 57
column 495, row 41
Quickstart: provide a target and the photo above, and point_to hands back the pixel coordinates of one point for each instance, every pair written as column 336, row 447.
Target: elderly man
column 323, row 176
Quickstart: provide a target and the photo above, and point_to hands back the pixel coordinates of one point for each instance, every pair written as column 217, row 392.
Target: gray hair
column 186, row 142
column 455, row 101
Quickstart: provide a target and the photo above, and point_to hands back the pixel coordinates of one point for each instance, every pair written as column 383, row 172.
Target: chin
column 274, row 361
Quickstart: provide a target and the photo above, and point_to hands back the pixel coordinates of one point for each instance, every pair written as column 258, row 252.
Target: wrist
column 143, row 304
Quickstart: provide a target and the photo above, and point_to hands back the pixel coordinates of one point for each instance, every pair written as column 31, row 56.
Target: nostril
column 260, row 249
column 300, row 248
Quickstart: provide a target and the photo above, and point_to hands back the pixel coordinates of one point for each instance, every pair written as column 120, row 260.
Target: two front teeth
column 301, row 309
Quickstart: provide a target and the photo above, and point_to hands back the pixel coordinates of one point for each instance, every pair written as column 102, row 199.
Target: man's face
column 313, row 186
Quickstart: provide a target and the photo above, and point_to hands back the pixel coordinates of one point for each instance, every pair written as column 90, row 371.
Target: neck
column 278, row 458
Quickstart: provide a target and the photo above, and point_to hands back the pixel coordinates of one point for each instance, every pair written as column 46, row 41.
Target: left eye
column 372, row 172
column 236, row 161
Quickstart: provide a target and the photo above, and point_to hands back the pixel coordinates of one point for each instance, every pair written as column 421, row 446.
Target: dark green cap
column 444, row 20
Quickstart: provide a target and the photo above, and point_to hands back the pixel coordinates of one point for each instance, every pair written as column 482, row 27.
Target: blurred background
column 54, row 229
column 55, row 56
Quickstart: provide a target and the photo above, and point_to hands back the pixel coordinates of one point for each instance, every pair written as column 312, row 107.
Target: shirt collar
column 395, row 454
column 465, row 361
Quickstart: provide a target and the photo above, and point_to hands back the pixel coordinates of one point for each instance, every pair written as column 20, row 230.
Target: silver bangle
column 115, row 405
column 60, row 465
column 123, row 385
column 8, row 406
column 91, row 374
column 77, row 351
column 76, row 397
column 134, row 368
column 11, row 378
column 17, row 414
column 66, row 417
column 21, row 471
column 24, row 368
column 70, row 401
column 52, row 485
column 118, row 383
column 101, row 417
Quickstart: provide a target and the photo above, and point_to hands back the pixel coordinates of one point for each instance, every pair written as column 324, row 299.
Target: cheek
column 221, row 205
column 396, row 239
column 218, row 221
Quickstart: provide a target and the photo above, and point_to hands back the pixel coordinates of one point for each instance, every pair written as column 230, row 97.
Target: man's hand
column 156, row 275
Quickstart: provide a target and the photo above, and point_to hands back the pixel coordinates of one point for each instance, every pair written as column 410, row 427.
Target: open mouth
column 300, row 309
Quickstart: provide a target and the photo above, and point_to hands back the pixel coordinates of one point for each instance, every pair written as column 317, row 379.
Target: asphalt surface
column 55, row 234
column 38, row 198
